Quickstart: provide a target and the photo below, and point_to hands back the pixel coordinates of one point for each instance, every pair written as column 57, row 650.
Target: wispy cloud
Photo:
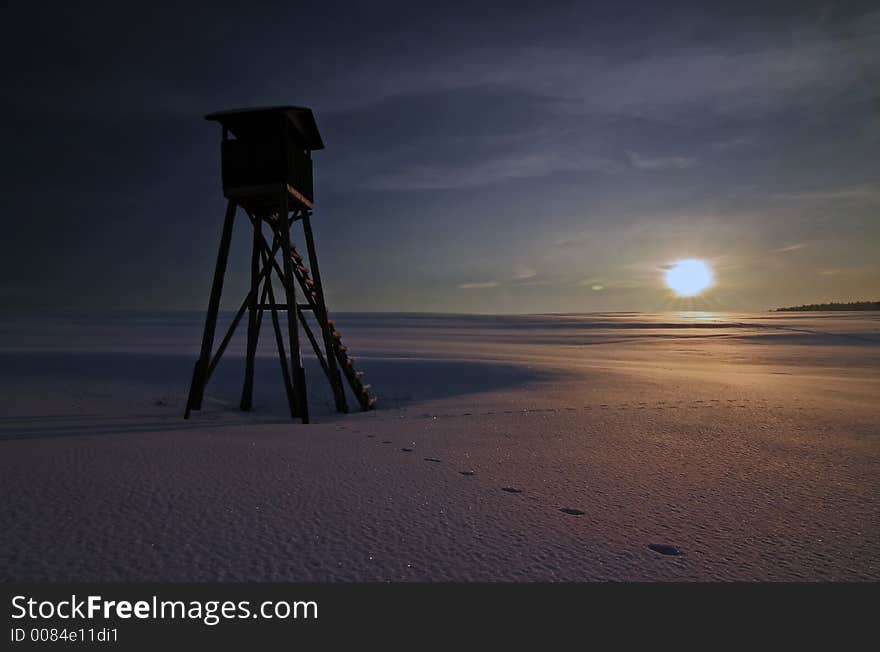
column 724, row 77
column 522, row 273
column 522, row 277
column 600, row 284
column 845, row 271
column 573, row 241
column 479, row 286
column 734, row 143
column 518, row 165
column 792, row 247
column 659, row 162
column 750, row 80
column 534, row 283
column 850, row 193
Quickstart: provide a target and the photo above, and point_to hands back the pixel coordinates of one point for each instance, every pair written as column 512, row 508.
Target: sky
column 480, row 157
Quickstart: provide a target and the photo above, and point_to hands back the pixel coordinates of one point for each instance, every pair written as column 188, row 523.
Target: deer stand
column 266, row 156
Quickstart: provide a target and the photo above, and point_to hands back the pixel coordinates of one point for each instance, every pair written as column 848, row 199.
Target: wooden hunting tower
column 267, row 172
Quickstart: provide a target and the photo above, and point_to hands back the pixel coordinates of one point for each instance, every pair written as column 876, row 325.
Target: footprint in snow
column 664, row 549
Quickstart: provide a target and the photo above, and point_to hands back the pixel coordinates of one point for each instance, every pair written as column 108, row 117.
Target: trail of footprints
column 660, row 548
column 696, row 404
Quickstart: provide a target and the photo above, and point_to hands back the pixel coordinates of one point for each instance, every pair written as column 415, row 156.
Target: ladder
column 354, row 377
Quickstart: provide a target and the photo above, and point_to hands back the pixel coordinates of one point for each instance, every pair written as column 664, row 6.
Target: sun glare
column 687, row 278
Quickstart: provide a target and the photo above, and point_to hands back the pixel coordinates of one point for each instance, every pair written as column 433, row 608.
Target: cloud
column 793, row 247
column 523, row 277
column 730, row 76
column 522, row 273
column 849, row 193
column 492, row 170
column 600, row 284
column 574, row 241
column 479, row 286
column 659, row 163
column 734, row 143
column 845, row 271
column 535, row 283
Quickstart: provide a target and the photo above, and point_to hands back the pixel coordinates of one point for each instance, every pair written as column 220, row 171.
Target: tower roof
column 242, row 122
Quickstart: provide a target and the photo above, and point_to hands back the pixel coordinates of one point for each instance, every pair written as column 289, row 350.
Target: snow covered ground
column 748, row 443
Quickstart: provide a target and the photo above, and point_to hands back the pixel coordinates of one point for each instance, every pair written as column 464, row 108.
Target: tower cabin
column 265, row 151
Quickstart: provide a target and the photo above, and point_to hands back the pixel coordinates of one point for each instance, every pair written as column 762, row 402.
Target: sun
column 687, row 278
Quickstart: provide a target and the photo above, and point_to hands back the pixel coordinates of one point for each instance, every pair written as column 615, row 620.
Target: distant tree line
column 852, row 305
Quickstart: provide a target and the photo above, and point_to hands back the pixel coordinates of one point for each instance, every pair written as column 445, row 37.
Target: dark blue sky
column 481, row 157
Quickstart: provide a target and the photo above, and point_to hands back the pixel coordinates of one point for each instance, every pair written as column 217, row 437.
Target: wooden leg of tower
column 279, row 342
column 197, row 387
column 296, row 369
column 253, row 333
column 323, row 321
